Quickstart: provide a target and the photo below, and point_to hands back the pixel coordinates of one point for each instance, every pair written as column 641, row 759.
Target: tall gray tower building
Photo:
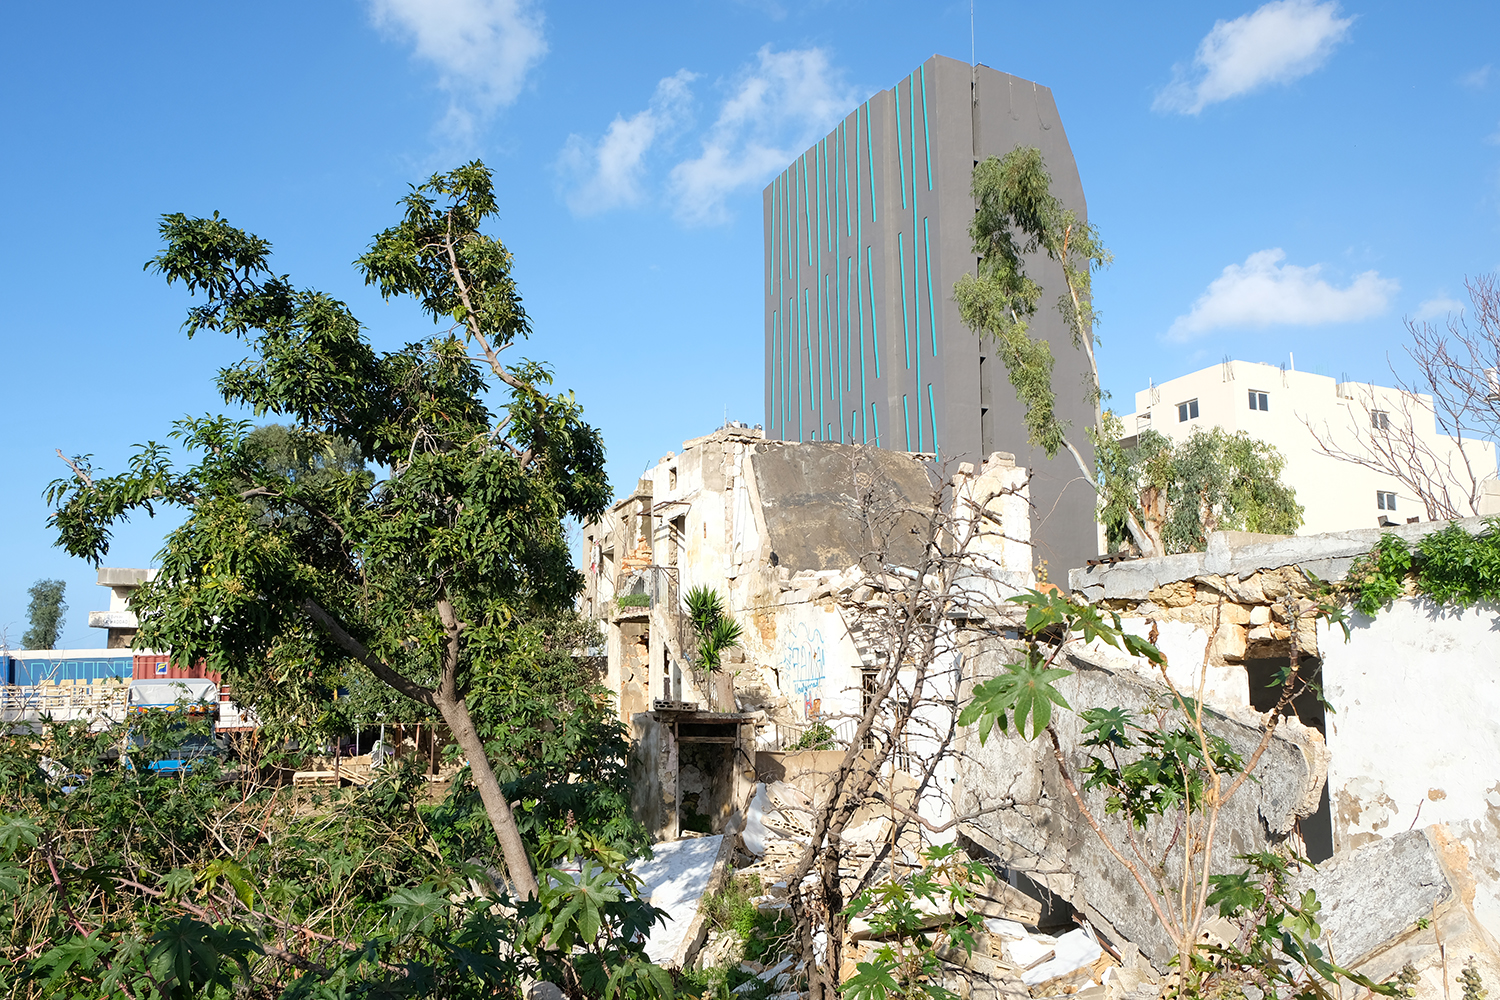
column 865, row 235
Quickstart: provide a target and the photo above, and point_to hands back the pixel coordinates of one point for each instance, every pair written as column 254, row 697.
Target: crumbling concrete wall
column 1016, row 807
column 1411, row 899
column 779, row 529
column 1414, row 692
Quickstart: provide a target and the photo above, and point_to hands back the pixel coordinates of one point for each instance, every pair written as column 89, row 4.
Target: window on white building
column 1259, row 400
column 1380, row 420
column 1187, row 411
column 1385, row 501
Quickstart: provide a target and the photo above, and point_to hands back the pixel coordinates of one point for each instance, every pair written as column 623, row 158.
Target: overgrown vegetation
column 1450, row 566
column 906, row 963
column 1166, row 768
column 714, row 633
column 439, row 591
column 1182, row 492
column 121, row 883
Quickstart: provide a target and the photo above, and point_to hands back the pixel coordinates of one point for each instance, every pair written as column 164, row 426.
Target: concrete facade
column 865, row 235
column 1334, row 494
column 119, row 622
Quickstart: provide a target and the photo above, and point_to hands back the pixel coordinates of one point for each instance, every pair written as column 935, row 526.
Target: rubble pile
column 1013, row 958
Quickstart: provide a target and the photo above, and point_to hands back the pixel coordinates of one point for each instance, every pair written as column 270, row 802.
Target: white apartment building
column 1295, row 410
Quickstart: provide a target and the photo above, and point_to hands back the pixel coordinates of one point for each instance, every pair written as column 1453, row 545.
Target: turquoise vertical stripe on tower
column 874, row 326
column 932, row 416
column 911, row 97
column 905, row 327
column 875, row 424
column 775, row 346
column 807, row 209
column 870, row 165
column 926, row 138
column 900, row 159
column 844, row 157
column 812, row 399
column 786, row 365
column 838, row 334
column 786, row 223
column 931, row 311
column 799, row 366
column 906, row 419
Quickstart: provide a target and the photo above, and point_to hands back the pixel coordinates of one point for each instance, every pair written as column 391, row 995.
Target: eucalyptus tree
column 1181, row 492
column 1016, row 216
column 417, row 572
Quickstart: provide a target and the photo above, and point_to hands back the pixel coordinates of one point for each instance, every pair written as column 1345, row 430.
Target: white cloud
column 1276, row 43
column 1438, row 306
column 1265, row 292
column 483, row 49
column 776, row 108
column 608, row 174
column 1478, row 79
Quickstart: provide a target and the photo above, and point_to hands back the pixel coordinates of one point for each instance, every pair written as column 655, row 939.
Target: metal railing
column 790, row 734
column 63, row 702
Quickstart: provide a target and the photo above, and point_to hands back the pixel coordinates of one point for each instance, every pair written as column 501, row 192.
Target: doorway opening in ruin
column 1265, row 690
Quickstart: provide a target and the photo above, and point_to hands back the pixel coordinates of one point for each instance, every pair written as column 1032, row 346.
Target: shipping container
column 154, row 666
column 58, row 666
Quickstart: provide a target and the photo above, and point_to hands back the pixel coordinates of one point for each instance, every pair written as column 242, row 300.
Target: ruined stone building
column 865, row 235
column 777, row 529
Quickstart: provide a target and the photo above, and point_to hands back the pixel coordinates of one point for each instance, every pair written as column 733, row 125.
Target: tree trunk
column 1154, row 518
column 456, row 715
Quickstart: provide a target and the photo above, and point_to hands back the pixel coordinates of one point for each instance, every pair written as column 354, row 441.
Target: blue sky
column 1297, row 176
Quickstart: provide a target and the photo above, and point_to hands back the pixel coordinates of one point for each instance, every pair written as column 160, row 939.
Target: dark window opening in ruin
column 676, row 539
column 867, row 678
column 672, row 478
column 1264, row 675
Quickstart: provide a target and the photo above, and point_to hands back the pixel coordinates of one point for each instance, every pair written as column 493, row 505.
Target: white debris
column 674, row 880
column 755, row 832
column 1072, row 951
column 1000, row 927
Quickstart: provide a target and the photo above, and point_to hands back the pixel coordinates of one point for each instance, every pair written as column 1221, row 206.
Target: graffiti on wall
column 802, row 665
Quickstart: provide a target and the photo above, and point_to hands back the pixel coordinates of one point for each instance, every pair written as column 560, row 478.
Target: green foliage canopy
column 45, row 614
column 1017, row 215
column 1184, row 491
column 284, row 581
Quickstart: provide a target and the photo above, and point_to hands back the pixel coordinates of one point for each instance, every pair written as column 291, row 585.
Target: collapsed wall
column 1411, row 722
column 1015, row 806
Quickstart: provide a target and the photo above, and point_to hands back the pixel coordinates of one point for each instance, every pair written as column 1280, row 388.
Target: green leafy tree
column 286, row 583
column 44, row 614
column 714, row 631
column 1181, row 493
column 1016, row 216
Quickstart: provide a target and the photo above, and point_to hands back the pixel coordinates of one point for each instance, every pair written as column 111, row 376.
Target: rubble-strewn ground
column 1015, row 958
